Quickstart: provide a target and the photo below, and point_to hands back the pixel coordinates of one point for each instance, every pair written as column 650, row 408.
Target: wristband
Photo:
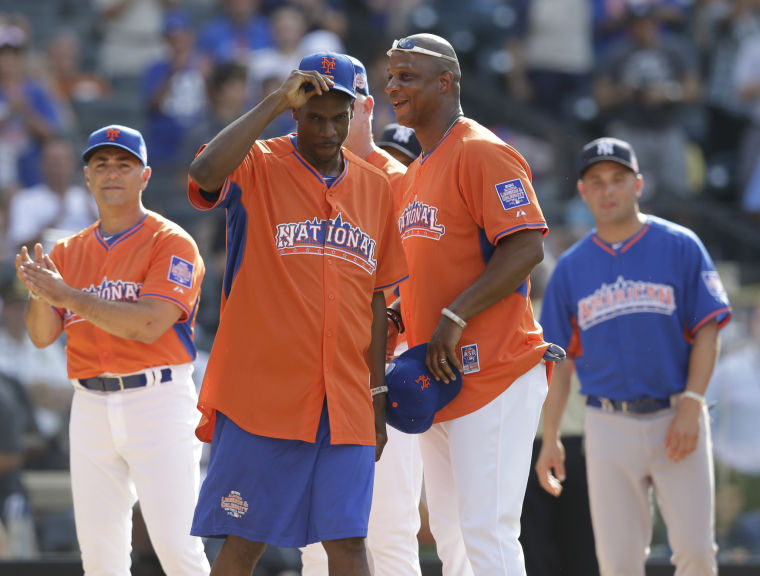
column 454, row 318
column 378, row 390
column 395, row 317
column 694, row 396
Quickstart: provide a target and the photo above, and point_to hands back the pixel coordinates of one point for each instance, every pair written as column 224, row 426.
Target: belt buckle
column 607, row 405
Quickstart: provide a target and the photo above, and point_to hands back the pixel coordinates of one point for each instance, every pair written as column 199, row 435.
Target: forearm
column 510, row 265
column 704, row 353
column 144, row 321
column 227, row 149
column 376, row 352
column 42, row 323
column 556, row 399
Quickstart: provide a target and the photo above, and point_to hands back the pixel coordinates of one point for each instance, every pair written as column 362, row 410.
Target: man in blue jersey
column 638, row 305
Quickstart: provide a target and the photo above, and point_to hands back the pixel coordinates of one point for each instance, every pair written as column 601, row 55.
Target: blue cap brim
column 91, row 150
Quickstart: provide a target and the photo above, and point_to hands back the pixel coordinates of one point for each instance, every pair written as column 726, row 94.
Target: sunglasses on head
column 410, row 45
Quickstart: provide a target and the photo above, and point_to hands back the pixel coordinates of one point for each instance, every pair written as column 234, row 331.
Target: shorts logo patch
column 714, row 285
column 234, row 504
column 512, row 194
column 470, row 359
column 181, row 272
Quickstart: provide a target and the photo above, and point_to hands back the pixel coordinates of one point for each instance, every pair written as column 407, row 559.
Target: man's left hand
column 442, row 352
column 683, row 432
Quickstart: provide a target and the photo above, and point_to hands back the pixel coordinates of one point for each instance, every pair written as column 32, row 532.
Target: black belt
column 638, row 406
column 116, row 383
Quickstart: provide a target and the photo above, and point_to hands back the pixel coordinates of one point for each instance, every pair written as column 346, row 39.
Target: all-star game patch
column 470, row 359
column 512, row 194
column 181, row 272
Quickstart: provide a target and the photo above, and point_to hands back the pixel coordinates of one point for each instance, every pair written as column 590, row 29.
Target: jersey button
column 329, row 333
column 329, row 261
column 331, row 296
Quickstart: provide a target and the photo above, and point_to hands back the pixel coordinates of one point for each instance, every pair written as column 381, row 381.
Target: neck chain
column 456, row 119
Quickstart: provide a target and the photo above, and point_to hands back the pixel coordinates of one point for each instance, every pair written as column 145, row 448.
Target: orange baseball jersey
column 155, row 258
column 303, row 262
column 459, row 200
column 392, row 168
column 394, row 171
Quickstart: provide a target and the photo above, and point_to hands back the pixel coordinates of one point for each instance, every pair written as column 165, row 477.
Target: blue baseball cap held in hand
column 120, row 136
column 339, row 66
column 414, row 395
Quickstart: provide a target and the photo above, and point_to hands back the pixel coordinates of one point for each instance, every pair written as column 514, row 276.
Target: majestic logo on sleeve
column 181, row 272
column 625, row 297
column 333, row 237
column 714, row 285
column 512, row 195
column 420, row 219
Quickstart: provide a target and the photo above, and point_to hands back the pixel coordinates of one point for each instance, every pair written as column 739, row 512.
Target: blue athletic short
column 284, row 492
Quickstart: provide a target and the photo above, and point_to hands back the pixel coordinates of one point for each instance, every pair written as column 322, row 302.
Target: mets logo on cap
column 328, row 64
column 119, row 136
column 338, row 66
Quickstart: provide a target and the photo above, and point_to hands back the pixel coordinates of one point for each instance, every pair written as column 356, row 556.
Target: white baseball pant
column 394, row 518
column 137, row 444
column 625, row 459
column 476, row 470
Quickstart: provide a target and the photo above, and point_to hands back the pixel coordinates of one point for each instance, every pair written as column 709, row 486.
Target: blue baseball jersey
column 627, row 312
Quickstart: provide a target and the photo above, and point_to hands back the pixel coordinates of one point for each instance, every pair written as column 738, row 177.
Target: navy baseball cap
column 608, row 150
column 119, row 136
column 339, row 66
column 414, row 396
column 402, row 139
column 361, row 83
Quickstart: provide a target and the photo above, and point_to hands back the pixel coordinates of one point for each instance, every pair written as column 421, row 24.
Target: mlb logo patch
column 714, row 285
column 181, row 272
column 470, row 359
column 512, row 194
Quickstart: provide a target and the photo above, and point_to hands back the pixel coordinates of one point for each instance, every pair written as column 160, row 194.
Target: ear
column 147, row 171
column 639, row 185
column 581, row 190
column 369, row 105
column 445, row 81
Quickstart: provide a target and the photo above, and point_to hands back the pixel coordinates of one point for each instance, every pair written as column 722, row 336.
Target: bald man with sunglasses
column 472, row 231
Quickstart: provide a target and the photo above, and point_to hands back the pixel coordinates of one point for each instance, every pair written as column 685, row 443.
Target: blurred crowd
column 679, row 79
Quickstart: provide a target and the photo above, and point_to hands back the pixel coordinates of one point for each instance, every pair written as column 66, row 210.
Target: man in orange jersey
column 312, row 243
column 125, row 290
column 472, row 232
column 394, row 518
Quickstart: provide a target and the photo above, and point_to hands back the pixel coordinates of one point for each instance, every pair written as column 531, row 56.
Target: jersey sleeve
column 558, row 313
column 496, row 186
column 204, row 200
column 176, row 272
column 705, row 296
column 391, row 262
